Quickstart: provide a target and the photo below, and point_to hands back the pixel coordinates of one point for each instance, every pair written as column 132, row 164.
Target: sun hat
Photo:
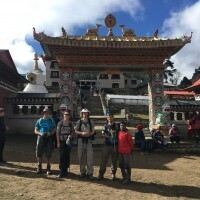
column 46, row 110
column 85, row 110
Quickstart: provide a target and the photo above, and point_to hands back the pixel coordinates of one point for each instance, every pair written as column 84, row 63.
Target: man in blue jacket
column 45, row 128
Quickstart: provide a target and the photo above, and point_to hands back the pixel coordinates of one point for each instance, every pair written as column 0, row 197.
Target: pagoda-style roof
column 194, row 87
column 9, row 77
column 127, row 50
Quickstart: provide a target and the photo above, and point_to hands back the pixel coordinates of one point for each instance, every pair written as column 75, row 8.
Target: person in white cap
column 85, row 130
column 45, row 128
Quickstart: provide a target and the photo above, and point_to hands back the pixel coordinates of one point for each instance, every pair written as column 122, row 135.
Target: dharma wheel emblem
column 157, row 77
column 158, row 88
column 158, row 101
column 110, row 21
column 65, row 76
column 65, row 88
column 65, row 100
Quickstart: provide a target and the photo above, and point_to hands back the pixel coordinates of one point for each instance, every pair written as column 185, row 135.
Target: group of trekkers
column 118, row 143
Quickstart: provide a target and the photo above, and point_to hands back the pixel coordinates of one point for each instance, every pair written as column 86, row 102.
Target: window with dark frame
column 25, row 110
column 54, row 74
column 179, row 116
column 125, row 81
column 133, row 82
column 55, row 84
column 103, row 76
column 115, row 76
column 33, row 110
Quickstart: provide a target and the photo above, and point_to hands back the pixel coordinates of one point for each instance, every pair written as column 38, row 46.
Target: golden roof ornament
column 127, row 32
column 110, row 22
column 93, row 31
column 187, row 39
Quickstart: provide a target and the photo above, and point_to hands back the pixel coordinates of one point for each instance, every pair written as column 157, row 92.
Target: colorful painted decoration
column 157, row 77
column 65, row 76
column 157, row 111
column 65, row 88
column 158, row 101
column 65, row 100
column 158, row 88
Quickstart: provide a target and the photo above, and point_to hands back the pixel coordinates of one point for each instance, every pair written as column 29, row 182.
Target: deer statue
column 93, row 31
column 127, row 32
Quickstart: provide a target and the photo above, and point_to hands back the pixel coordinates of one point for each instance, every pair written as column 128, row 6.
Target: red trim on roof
column 179, row 93
column 195, row 84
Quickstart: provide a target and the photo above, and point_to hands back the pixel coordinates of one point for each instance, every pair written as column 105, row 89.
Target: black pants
column 64, row 156
column 197, row 135
column 175, row 139
column 2, row 143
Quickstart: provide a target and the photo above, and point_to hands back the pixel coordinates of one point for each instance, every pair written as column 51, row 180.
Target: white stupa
column 36, row 79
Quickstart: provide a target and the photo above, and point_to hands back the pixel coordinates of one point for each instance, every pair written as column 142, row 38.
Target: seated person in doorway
column 174, row 134
column 140, row 140
column 158, row 139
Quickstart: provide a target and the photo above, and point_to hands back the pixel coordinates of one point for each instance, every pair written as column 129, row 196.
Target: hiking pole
column 112, row 137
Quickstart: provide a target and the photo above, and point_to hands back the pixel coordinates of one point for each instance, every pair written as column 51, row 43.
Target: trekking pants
column 85, row 156
column 108, row 150
column 2, row 144
column 64, row 156
column 44, row 145
column 125, row 165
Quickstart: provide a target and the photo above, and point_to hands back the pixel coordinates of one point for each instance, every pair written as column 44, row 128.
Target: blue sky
column 172, row 17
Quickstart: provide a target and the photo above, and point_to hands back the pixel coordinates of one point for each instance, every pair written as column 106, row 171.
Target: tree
column 185, row 83
column 171, row 75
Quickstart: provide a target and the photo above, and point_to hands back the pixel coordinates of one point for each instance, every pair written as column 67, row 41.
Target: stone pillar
column 66, row 91
column 155, row 93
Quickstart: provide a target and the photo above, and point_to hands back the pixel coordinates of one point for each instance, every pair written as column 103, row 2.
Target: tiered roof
column 125, row 50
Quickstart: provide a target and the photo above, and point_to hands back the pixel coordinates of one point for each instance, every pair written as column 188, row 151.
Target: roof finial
column 36, row 61
column 110, row 22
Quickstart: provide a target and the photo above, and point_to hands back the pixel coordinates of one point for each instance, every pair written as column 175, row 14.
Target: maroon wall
column 3, row 93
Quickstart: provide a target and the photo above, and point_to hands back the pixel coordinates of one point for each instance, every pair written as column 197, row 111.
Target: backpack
column 79, row 129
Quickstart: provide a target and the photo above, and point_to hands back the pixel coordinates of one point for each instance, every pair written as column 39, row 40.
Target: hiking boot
column 113, row 177
column 91, row 177
column 39, row 169
column 100, row 177
column 121, row 181
column 48, row 169
column 126, row 181
column 82, row 175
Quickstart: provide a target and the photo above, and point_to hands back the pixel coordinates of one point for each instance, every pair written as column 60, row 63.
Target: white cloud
column 184, row 22
column 17, row 18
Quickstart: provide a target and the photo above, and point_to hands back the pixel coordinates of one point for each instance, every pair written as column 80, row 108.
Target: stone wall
column 116, row 108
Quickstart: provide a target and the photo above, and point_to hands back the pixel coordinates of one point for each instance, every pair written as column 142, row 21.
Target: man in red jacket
column 125, row 146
